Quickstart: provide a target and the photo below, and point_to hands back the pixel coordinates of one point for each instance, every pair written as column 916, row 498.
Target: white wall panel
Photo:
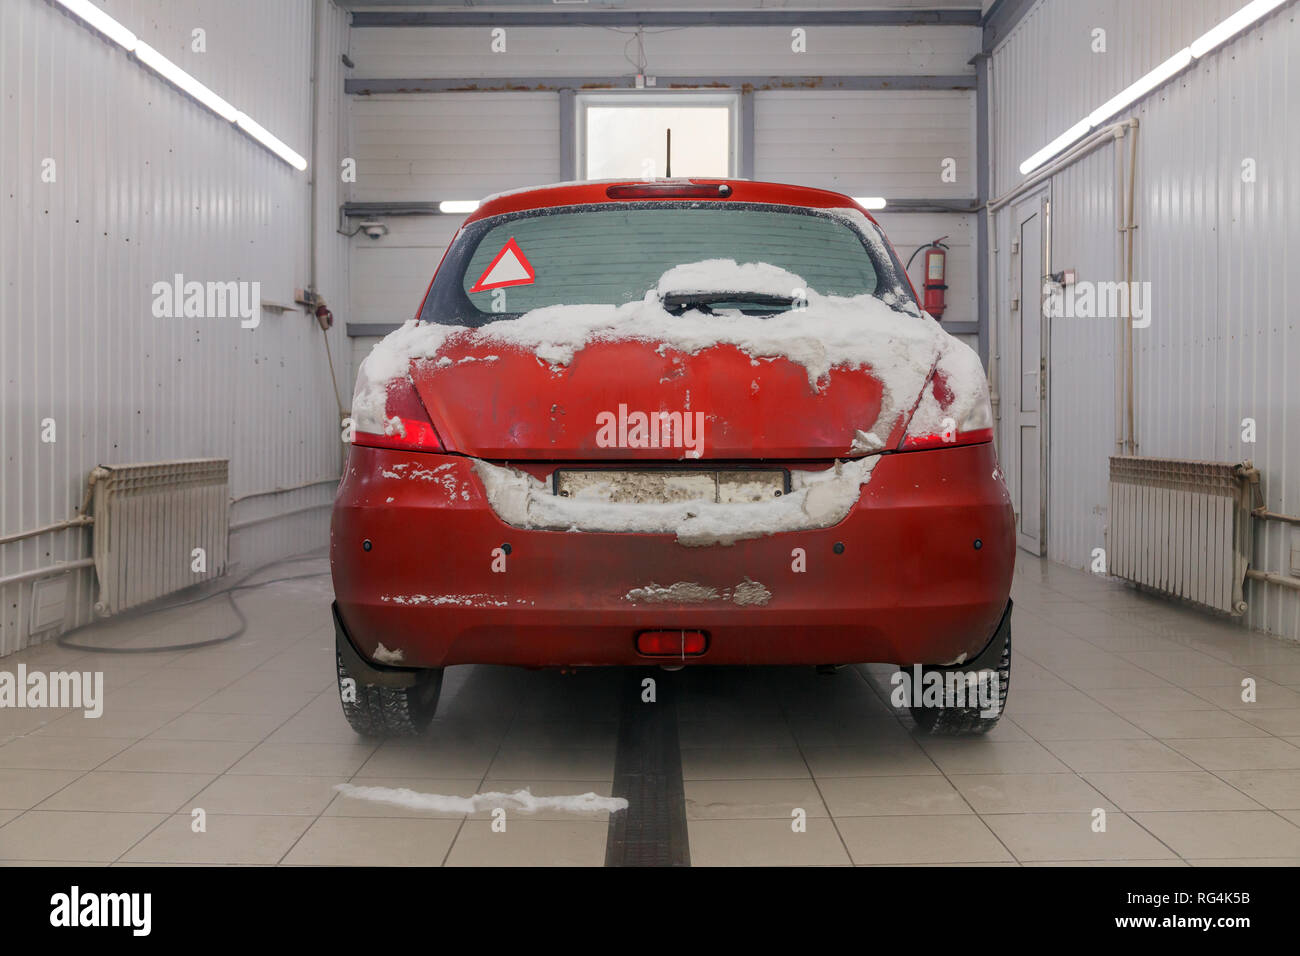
column 1215, row 249
column 868, row 143
column 390, row 275
column 433, row 146
column 430, row 147
column 150, row 184
column 415, row 52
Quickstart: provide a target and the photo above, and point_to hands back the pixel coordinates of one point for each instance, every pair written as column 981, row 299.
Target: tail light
column 954, row 407
column 389, row 414
column 946, row 439
column 671, row 643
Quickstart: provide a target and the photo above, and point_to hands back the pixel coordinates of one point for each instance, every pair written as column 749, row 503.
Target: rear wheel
column 964, row 721
column 377, row 711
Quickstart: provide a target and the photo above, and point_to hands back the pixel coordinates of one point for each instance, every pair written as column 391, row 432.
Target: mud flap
column 364, row 671
column 991, row 656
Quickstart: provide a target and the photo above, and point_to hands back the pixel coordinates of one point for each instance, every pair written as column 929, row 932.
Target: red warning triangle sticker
column 510, row 267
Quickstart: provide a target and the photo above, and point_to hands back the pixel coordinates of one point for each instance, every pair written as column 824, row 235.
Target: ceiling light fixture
column 96, row 18
column 1210, row 40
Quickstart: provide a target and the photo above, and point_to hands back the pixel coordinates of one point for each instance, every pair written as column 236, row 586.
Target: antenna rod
column 668, row 166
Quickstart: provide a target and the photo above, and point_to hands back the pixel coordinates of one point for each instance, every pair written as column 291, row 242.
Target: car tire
column 968, row 721
column 376, row 711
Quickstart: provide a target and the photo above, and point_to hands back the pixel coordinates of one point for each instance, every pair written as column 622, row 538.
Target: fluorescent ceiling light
column 269, row 140
column 178, row 77
column 870, row 202
column 458, row 205
column 1215, row 37
column 1233, row 25
column 101, row 21
column 93, row 16
column 1055, row 146
column 1131, row 94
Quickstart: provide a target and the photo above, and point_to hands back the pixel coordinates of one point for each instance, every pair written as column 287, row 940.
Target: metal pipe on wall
column 78, row 522
column 1129, row 227
column 46, row 572
column 313, row 152
column 82, row 519
column 991, row 257
column 1281, row 580
column 1117, row 357
column 1266, row 515
column 1086, row 145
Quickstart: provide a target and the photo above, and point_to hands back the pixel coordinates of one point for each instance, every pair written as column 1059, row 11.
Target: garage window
column 627, row 136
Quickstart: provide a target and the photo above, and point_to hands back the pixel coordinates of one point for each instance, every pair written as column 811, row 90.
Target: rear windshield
column 612, row 254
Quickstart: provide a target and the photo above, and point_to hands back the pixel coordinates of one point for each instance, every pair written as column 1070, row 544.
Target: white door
column 1031, row 395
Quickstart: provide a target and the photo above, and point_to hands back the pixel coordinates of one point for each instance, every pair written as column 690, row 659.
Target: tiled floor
column 1119, row 703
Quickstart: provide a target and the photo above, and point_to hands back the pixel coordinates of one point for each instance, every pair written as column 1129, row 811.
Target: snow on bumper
column 458, row 570
column 818, row 499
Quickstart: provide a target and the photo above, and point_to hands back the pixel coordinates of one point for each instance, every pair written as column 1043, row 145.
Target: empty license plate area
column 664, row 486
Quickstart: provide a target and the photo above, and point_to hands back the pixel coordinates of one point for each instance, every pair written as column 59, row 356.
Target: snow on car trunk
column 641, row 381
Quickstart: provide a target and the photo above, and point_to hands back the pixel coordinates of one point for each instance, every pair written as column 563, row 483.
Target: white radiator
column 1182, row 528
column 149, row 521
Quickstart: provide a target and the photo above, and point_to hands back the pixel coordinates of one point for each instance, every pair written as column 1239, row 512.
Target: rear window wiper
column 679, row 302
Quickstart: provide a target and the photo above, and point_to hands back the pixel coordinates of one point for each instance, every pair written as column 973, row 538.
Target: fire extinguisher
column 935, row 267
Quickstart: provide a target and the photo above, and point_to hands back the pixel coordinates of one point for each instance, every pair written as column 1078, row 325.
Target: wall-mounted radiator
column 1182, row 527
column 149, row 521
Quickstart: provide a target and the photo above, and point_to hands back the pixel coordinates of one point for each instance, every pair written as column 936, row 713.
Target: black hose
column 228, row 593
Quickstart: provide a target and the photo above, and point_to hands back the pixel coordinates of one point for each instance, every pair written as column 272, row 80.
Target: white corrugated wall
column 1222, row 338
column 150, row 184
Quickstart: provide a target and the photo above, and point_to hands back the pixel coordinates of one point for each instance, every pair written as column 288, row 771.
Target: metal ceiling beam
column 665, row 18
column 492, row 84
column 1001, row 19
column 929, row 205
column 355, row 210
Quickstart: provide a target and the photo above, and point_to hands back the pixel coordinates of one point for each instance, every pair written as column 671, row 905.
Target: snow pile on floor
column 521, row 801
column 817, row 499
column 727, row 275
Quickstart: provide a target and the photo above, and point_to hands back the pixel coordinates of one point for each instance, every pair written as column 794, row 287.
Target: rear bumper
column 437, row 586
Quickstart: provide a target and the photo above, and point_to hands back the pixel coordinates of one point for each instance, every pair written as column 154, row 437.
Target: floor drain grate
column 648, row 773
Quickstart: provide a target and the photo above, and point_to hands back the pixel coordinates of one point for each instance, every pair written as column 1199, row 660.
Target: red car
column 676, row 422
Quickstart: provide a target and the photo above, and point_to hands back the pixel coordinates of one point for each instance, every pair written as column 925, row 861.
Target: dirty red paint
column 900, row 579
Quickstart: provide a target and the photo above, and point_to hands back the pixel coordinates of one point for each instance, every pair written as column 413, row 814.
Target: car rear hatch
column 632, row 400
column 672, row 331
